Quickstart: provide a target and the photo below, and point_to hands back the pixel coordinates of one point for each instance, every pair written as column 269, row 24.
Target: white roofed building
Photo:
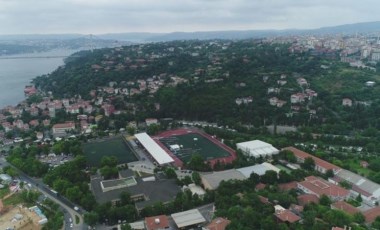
column 188, row 218
column 259, row 169
column 159, row 155
column 257, row 148
column 369, row 190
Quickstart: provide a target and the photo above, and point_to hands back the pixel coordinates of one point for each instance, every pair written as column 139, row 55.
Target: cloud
column 105, row 16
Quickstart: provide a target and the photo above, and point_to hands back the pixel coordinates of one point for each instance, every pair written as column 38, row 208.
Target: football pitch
column 194, row 143
column 117, row 147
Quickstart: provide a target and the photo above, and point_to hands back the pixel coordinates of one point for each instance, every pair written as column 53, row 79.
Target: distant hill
column 364, row 27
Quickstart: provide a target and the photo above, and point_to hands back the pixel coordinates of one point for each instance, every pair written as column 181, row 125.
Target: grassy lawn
column 76, row 219
column 355, row 164
column 111, row 147
column 287, row 170
column 194, row 143
column 4, row 192
column 13, row 200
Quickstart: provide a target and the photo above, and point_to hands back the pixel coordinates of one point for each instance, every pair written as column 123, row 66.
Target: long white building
column 159, row 155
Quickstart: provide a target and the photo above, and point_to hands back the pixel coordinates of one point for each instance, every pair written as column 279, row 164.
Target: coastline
column 19, row 70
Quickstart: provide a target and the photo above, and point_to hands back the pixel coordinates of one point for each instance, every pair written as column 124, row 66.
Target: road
column 66, row 205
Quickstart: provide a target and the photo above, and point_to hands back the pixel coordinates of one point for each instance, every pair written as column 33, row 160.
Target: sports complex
column 181, row 144
column 117, row 146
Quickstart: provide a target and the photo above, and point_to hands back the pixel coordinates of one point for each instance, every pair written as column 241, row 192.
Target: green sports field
column 94, row 151
column 194, row 143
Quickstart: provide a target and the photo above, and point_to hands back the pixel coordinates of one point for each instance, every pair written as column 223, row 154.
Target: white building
column 63, row 128
column 257, row 148
column 159, row 155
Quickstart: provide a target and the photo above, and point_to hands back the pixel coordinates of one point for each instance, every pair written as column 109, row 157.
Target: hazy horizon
column 18, row 17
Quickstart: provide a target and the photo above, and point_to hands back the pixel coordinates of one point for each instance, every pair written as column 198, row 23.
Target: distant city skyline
column 118, row 16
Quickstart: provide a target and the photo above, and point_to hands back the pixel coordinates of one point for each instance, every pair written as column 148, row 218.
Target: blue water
column 16, row 73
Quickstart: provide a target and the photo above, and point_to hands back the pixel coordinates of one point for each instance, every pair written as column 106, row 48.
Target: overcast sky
column 115, row 16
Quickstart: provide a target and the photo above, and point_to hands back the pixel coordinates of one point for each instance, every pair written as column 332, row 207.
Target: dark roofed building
column 144, row 192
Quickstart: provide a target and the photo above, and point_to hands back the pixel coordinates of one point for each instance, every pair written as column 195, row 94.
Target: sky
column 117, row 16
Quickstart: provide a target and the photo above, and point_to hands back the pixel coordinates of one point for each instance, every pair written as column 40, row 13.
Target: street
column 66, row 205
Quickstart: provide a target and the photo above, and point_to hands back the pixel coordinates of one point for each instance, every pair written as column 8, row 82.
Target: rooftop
column 303, row 155
column 257, row 148
column 371, row 214
column 214, row 178
column 259, row 169
column 287, row 216
column 188, row 218
column 344, row 206
column 154, row 149
column 218, row 224
column 157, row 222
column 162, row 190
column 369, row 187
column 304, row 199
column 320, row 187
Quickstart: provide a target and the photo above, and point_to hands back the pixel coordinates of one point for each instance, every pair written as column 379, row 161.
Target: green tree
column 196, row 178
column 197, row 163
column 359, row 198
column 325, row 200
column 270, row 177
column 308, row 164
column 91, row 218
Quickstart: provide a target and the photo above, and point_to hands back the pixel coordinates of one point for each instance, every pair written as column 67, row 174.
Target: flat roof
column 188, row 218
column 257, row 148
column 154, row 149
column 259, row 169
column 215, row 178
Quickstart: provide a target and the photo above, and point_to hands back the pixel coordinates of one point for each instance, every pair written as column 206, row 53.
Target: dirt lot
column 29, row 220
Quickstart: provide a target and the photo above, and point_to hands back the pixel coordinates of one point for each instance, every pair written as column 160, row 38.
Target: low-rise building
column 368, row 190
column 285, row 215
column 63, row 128
column 345, row 207
column 157, row 222
column 257, row 148
column 320, row 165
column 188, row 218
column 218, row 223
column 318, row 186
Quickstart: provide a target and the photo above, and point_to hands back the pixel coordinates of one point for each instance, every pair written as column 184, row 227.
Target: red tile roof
column 260, row 186
column 303, row 155
column 64, row 125
column 218, row 224
column 344, row 206
column 320, row 186
column 305, row 199
column 288, row 186
column 157, row 222
column 287, row 215
column 371, row 214
column 264, row 200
